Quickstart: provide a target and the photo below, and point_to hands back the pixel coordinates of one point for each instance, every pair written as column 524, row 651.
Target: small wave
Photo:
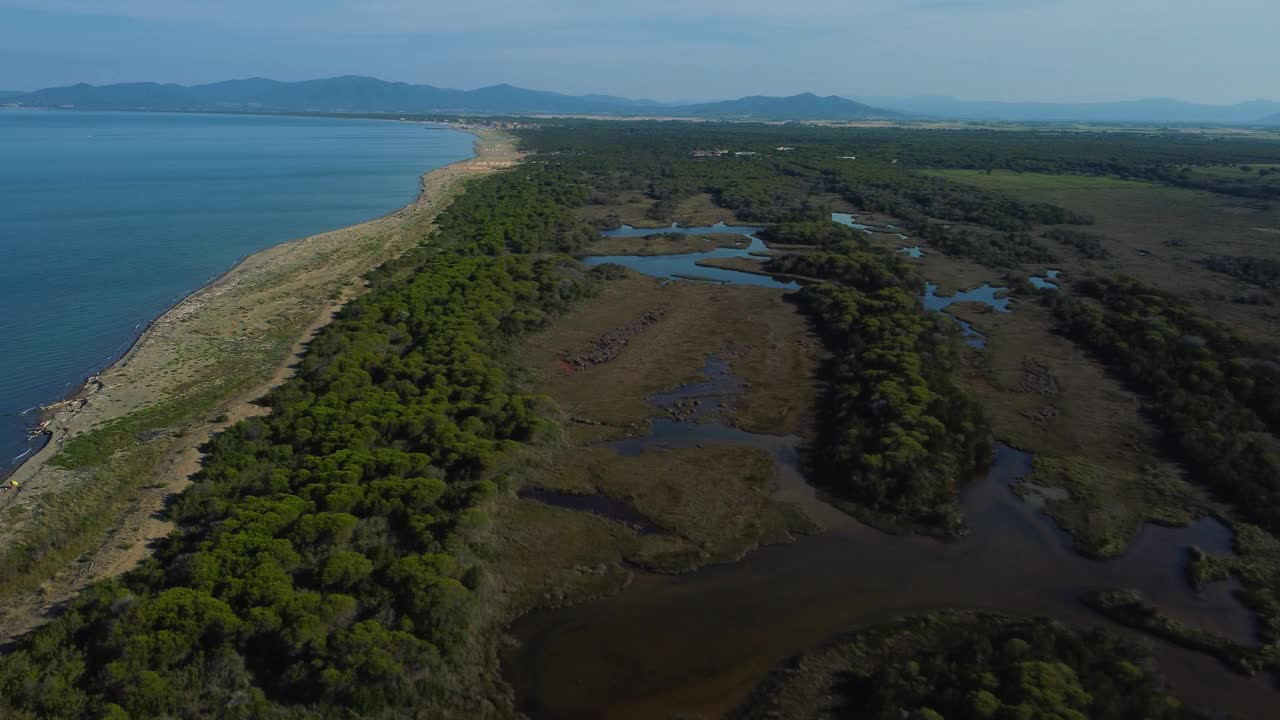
column 28, row 452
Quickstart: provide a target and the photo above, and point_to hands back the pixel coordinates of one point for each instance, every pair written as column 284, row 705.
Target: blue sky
column 1047, row 50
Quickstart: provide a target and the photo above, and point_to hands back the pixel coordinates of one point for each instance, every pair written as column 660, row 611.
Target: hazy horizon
column 1060, row 51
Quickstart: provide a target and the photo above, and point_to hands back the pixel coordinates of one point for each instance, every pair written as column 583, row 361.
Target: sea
column 108, row 219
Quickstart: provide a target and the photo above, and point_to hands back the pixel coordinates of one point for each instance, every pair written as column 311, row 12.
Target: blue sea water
column 108, row 219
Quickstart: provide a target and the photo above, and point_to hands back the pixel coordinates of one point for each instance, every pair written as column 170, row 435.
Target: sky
column 1020, row 50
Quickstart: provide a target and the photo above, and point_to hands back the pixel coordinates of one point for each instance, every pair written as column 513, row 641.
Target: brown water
column 699, row 643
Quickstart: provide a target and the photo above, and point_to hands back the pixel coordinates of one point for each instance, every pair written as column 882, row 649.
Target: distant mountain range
column 806, row 106
column 1143, row 111
column 356, row 94
column 363, row 94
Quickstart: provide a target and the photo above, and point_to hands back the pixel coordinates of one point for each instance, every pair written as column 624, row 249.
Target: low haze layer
column 1041, row 50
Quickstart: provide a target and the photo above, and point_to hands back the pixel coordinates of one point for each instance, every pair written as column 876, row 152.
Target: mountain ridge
column 354, row 93
column 362, row 94
column 805, row 106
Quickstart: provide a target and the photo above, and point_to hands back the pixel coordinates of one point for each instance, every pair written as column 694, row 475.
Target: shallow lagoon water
column 685, row 266
column 1042, row 283
column 110, row 218
column 697, row 643
column 987, row 295
column 849, row 220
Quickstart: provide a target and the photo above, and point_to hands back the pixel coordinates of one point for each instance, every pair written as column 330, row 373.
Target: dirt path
column 251, row 323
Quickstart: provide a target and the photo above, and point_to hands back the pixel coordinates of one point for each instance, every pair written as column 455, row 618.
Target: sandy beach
column 194, row 371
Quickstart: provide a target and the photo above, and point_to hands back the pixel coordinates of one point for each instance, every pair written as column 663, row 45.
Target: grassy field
column 633, row 208
column 765, row 339
column 665, row 244
column 1162, row 235
column 1235, row 171
column 1087, row 431
column 714, row 503
column 1007, row 180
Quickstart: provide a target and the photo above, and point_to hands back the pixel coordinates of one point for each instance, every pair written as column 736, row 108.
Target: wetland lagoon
column 696, row 644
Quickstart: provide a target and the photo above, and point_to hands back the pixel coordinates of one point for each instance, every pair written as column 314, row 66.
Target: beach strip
column 86, row 506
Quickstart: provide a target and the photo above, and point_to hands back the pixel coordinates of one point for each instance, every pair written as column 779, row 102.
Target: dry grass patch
column 1044, row 395
column 713, row 503
column 670, row 244
column 766, row 341
column 1160, row 235
column 701, row 209
column 627, row 208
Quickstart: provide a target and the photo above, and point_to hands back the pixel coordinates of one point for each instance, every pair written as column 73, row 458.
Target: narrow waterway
column 685, row 266
column 696, row 644
column 699, row 642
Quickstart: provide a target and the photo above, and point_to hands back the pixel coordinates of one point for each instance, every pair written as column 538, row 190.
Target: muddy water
column 698, row 643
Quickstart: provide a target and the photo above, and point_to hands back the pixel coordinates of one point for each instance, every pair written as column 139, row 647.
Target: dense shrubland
column 964, row 667
column 896, row 435
column 817, row 232
column 1216, row 395
column 771, row 186
column 1087, row 244
column 997, row 250
column 892, row 189
column 318, row 568
column 1263, row 272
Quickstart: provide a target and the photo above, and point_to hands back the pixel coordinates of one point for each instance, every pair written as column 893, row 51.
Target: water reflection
column 698, row 643
column 1042, row 283
column 849, row 220
column 985, row 295
column 685, row 266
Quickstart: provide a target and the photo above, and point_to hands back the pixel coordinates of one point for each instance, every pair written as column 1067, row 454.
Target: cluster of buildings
column 720, row 153
column 490, row 124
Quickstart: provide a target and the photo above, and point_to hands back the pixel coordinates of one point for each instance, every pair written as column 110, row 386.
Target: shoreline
column 198, row 341
column 80, row 389
column 49, row 414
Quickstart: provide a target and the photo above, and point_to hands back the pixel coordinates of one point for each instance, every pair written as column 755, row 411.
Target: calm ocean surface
column 108, row 219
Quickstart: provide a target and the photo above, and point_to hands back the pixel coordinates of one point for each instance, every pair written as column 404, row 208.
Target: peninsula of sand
column 88, row 505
